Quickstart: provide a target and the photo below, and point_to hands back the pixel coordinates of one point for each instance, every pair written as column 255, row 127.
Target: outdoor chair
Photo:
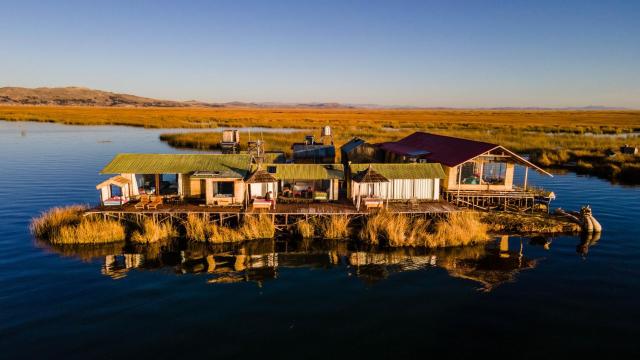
column 155, row 201
column 144, row 200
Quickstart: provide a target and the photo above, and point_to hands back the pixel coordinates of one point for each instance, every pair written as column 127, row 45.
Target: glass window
column 225, row 188
column 168, row 184
column 146, row 183
column 468, row 173
column 494, row 173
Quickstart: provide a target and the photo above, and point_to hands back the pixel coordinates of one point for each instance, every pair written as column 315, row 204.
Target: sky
column 422, row 53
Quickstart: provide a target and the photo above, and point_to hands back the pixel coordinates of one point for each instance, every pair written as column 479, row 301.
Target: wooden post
column 526, row 175
column 157, row 184
column 459, row 181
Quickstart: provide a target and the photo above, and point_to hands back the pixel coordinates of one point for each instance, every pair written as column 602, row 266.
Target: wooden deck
column 315, row 208
column 515, row 200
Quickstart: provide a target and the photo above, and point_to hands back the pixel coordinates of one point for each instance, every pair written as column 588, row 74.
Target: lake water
column 299, row 299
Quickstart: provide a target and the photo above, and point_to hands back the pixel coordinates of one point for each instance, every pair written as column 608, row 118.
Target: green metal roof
column 404, row 170
column 306, row 171
column 236, row 165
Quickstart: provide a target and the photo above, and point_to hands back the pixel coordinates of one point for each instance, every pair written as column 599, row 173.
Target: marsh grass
column 153, row 231
column 198, row 229
column 253, row 227
column 304, row 229
column 91, row 231
column 395, row 230
column 257, row 227
column 67, row 225
column 49, row 222
column 335, row 227
column 518, row 223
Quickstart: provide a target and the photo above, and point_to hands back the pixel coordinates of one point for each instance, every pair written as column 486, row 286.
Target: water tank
column 230, row 136
column 326, row 131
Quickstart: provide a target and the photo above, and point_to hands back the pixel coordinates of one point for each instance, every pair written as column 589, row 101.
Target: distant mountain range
column 80, row 96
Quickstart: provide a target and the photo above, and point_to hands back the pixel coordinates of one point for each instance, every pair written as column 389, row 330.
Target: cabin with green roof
column 374, row 184
column 213, row 179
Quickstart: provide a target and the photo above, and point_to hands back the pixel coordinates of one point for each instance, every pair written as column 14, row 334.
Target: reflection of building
column 257, row 262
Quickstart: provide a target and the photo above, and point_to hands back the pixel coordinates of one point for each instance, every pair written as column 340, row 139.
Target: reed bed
column 91, row 231
column 257, row 227
column 395, row 230
column 335, row 227
column 304, row 229
column 49, row 222
column 253, row 227
column 518, row 223
column 153, row 231
column 198, row 229
column 66, row 225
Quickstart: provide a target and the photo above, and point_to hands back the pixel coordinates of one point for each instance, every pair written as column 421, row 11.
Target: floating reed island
column 425, row 190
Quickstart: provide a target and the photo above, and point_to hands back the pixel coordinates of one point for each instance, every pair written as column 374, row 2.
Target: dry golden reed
column 199, row 229
column 457, row 229
column 67, row 225
column 304, row 229
column 335, row 227
column 153, row 231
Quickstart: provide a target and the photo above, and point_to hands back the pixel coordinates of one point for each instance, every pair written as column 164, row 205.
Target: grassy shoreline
column 69, row 225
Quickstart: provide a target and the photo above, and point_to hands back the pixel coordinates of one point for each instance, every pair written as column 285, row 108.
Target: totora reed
column 67, row 225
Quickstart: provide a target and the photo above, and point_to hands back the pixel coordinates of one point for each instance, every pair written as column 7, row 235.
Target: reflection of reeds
column 67, row 225
column 458, row 229
column 153, row 231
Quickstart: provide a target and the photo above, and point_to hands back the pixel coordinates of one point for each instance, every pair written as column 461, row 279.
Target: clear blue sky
column 426, row 53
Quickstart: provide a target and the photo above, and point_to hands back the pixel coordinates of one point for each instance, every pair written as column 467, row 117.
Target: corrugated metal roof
column 352, row 144
column 307, row 171
column 447, row 150
column 236, row 165
column 404, row 170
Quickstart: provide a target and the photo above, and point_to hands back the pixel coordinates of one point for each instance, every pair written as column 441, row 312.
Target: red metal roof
column 447, row 150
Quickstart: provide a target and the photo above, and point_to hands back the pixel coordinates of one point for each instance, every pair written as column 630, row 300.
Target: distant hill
column 80, row 96
column 77, row 96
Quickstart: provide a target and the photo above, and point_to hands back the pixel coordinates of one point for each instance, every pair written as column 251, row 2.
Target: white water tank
column 326, row 131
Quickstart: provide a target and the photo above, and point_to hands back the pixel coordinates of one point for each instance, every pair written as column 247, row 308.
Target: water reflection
column 488, row 266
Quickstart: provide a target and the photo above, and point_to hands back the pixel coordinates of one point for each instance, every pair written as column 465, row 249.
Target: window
column 493, row 173
column 271, row 169
column 225, row 188
column 468, row 173
column 169, row 184
column 146, row 183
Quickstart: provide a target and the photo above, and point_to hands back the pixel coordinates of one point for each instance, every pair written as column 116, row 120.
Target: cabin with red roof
column 472, row 168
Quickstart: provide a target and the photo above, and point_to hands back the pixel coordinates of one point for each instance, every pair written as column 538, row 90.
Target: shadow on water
column 488, row 266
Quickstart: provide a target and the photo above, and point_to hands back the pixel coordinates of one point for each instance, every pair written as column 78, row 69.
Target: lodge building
column 418, row 169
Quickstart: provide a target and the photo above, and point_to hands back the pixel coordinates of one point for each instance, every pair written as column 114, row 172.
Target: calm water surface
column 299, row 299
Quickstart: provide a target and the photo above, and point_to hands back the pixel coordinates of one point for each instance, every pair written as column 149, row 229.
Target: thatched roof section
column 369, row 176
column 115, row 180
column 306, row 171
column 232, row 165
column 261, row 176
column 403, row 171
